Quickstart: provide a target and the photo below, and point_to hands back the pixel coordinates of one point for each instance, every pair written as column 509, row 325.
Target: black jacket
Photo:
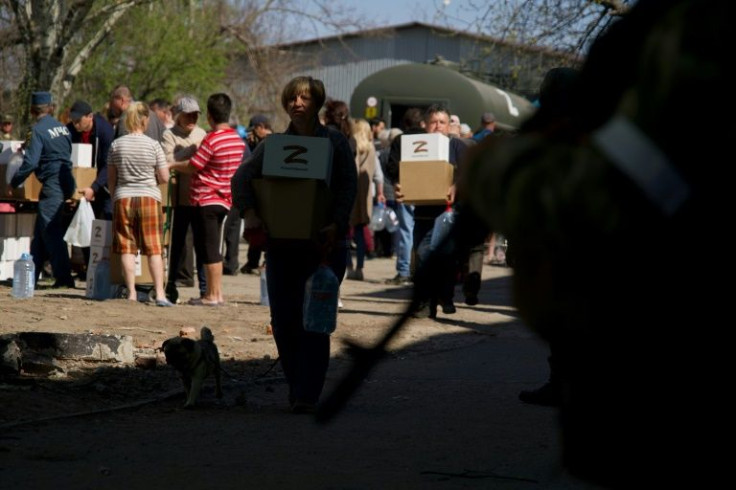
column 101, row 139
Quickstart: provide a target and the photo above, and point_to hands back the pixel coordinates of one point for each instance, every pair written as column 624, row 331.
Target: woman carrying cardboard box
column 291, row 261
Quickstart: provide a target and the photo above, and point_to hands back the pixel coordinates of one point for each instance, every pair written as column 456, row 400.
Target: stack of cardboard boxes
column 82, row 170
column 425, row 173
column 293, row 196
column 16, row 231
column 101, row 249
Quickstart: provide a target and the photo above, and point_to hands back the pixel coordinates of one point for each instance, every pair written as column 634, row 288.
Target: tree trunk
column 46, row 29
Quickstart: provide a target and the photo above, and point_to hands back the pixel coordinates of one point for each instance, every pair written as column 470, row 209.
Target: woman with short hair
column 304, row 355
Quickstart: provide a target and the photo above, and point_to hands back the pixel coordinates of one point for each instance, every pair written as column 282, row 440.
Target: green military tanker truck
column 389, row 92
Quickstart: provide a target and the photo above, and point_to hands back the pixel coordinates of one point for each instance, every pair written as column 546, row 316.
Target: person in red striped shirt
column 212, row 167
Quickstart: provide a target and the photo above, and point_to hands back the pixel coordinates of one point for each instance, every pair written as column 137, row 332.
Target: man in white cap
column 180, row 144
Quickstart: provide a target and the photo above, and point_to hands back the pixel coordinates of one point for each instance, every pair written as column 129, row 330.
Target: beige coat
column 180, row 146
column 366, row 166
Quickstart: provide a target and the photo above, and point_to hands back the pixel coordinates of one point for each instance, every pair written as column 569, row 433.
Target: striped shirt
column 216, row 160
column 136, row 158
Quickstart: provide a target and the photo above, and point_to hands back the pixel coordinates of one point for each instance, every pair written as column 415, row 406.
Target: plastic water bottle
column 320, row 301
column 378, row 217
column 392, row 221
column 24, row 276
column 442, row 226
column 101, row 287
column 14, row 164
column 264, row 288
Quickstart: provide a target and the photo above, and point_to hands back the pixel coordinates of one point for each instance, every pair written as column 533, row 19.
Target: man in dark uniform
column 48, row 151
column 88, row 127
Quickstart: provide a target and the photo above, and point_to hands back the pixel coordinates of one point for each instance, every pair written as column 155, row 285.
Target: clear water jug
column 392, row 221
column 378, row 217
column 320, row 301
column 24, row 277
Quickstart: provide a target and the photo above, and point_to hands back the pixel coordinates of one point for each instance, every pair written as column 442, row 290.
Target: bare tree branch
column 65, row 79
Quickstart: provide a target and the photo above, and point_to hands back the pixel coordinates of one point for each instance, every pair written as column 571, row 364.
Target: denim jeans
column 405, row 213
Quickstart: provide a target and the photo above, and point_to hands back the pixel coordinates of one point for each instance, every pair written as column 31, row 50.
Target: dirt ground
column 240, row 328
column 90, row 428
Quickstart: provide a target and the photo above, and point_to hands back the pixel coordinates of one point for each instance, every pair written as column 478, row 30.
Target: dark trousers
column 48, row 237
column 360, row 247
column 440, row 280
column 232, row 242
column 474, row 262
column 304, row 355
column 254, row 256
column 181, row 251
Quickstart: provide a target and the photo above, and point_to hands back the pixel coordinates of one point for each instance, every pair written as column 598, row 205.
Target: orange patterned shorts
column 138, row 225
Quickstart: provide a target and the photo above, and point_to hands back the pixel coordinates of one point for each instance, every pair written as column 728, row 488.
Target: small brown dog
column 195, row 360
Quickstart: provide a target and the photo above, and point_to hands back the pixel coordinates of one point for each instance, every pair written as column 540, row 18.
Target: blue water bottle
column 24, row 277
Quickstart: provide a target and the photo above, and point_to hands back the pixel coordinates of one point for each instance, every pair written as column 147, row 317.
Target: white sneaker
column 339, row 303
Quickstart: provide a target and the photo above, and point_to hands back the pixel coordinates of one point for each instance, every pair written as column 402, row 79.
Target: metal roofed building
column 342, row 62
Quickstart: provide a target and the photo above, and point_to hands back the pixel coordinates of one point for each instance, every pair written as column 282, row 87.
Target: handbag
column 79, row 233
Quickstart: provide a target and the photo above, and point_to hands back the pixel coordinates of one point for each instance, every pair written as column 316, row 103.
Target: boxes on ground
column 425, row 182
column 301, row 157
column 25, row 223
column 142, row 273
column 425, row 147
column 12, row 247
column 82, row 155
column 8, row 225
column 6, row 270
column 96, row 254
column 292, row 208
column 101, row 233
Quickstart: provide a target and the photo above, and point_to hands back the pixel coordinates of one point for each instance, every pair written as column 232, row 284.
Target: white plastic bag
column 79, row 232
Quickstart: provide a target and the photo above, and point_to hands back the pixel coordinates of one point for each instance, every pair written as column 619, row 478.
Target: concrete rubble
column 46, row 353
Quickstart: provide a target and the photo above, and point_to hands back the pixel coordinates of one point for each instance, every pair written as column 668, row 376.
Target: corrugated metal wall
column 343, row 63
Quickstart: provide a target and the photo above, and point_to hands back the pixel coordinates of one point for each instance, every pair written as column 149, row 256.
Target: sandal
column 201, row 302
column 164, row 302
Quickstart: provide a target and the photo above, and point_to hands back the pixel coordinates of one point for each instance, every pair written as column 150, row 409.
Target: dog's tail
column 206, row 334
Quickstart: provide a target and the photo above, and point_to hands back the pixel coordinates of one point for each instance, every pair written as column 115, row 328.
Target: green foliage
column 158, row 50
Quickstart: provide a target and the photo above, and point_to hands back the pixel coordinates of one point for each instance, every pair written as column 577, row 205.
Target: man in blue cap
column 48, row 152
